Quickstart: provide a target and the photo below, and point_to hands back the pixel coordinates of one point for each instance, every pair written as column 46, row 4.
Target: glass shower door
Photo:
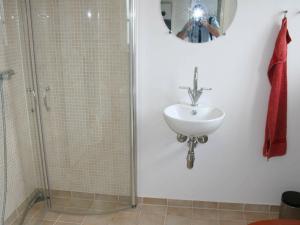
column 82, row 64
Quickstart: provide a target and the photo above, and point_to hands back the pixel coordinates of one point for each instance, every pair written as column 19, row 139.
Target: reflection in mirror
column 198, row 21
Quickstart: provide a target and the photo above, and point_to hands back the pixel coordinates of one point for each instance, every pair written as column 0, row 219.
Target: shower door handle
column 33, row 99
column 47, row 89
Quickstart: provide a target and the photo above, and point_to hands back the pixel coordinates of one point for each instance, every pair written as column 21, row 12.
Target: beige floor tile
column 13, row 217
column 231, row 206
column 16, row 222
column 124, row 218
column 254, row 216
column 178, row 211
column 77, row 211
column 38, row 210
column 48, row 223
column 80, row 203
column 51, row 216
column 205, row 214
column 82, row 195
column 140, row 200
column 153, row 209
column 110, row 198
column 39, row 205
column 102, row 205
column 228, row 222
column 177, row 220
column 125, row 199
column 180, row 203
column 36, row 220
column 63, row 223
column 155, row 201
column 69, row 218
column 133, row 210
column 274, row 208
column 147, row 219
column 274, row 215
column 26, row 222
column 60, row 202
column 129, row 212
column 204, row 222
column 61, row 194
column 231, row 215
column 205, row 205
column 98, row 219
column 40, row 214
column 256, row 208
column 149, row 214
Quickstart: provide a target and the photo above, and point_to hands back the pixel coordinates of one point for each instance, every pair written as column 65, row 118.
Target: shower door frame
column 37, row 99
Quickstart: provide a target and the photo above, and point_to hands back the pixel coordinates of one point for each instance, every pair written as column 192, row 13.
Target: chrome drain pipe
column 192, row 144
column 190, row 159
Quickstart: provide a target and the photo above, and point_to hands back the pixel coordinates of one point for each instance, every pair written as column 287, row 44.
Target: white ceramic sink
column 181, row 120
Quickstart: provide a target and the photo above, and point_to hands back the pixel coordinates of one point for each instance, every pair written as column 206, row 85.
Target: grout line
column 165, row 215
column 139, row 215
column 82, row 223
column 57, row 219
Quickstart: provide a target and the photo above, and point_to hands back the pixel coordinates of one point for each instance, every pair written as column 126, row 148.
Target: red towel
column 276, row 126
column 277, row 222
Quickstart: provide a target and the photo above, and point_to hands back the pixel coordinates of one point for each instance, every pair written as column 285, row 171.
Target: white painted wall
column 230, row 167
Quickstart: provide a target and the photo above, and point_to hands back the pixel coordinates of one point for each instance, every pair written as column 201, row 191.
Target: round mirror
column 198, row 21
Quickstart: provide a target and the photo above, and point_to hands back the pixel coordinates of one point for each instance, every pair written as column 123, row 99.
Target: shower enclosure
column 78, row 60
column 81, row 62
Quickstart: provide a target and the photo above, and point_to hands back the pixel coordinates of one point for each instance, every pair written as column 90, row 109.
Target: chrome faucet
column 195, row 93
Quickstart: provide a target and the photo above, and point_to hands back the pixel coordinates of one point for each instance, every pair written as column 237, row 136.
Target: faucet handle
column 184, row 88
column 205, row 89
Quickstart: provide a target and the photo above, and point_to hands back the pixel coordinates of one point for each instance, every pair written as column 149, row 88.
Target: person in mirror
column 200, row 28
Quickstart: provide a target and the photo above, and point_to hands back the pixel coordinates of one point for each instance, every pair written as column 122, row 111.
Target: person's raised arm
column 184, row 32
column 211, row 29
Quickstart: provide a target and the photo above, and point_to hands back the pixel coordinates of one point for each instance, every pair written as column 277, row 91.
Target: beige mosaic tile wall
column 82, row 55
column 21, row 170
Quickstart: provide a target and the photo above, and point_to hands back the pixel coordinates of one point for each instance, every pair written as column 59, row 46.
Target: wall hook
column 285, row 12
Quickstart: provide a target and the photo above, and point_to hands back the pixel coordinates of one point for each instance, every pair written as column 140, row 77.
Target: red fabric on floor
column 276, row 126
column 277, row 222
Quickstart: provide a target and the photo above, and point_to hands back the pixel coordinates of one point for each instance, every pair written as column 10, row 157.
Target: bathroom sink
column 193, row 121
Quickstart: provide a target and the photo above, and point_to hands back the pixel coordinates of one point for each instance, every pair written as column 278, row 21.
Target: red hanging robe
column 276, row 126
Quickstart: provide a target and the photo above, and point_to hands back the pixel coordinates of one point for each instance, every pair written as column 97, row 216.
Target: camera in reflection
column 198, row 14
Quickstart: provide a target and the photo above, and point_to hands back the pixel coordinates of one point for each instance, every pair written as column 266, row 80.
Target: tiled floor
column 151, row 215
